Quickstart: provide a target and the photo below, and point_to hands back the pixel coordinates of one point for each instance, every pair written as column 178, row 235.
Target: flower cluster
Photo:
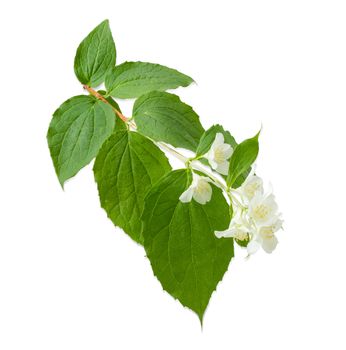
column 255, row 217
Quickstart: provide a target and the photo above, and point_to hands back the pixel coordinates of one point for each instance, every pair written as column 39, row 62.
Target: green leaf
column 242, row 158
column 205, row 143
column 241, row 178
column 133, row 79
column 179, row 239
column 77, row 131
column 95, row 56
column 164, row 117
column 125, row 169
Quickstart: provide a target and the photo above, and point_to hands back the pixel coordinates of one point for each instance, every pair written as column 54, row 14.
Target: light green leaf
column 77, row 131
column 95, row 56
column 205, row 143
column 179, row 239
column 164, row 117
column 133, row 79
column 242, row 158
column 126, row 167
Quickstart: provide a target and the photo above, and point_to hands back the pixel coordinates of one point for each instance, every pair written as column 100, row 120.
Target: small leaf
column 205, row 143
column 95, row 56
column 242, row 158
column 164, row 117
column 133, row 79
column 77, row 131
column 179, row 239
column 126, row 167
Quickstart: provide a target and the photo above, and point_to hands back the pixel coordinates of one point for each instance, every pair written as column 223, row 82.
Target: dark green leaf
column 77, row 131
column 179, row 239
column 126, row 167
column 164, row 117
column 242, row 158
column 95, row 56
column 133, row 79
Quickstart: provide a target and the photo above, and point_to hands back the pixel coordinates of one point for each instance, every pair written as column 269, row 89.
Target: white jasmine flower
column 265, row 238
column 219, row 153
column 252, row 185
column 200, row 190
column 238, row 228
column 263, row 209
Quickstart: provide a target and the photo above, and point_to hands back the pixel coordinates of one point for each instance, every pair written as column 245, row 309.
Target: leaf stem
column 100, row 97
column 196, row 166
column 172, row 151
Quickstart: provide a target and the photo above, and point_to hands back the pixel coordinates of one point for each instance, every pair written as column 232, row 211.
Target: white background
column 70, row 280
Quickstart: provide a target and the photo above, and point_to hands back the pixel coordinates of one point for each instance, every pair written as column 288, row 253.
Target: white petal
column 186, row 196
column 253, row 247
column 252, row 185
column 203, row 192
column 277, row 224
column 210, row 157
column 219, row 140
column 269, row 244
column 223, row 167
column 228, row 151
column 270, row 202
column 212, row 163
column 257, row 198
column 224, row 147
column 195, row 180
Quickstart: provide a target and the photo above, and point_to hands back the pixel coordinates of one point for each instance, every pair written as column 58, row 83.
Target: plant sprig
column 186, row 219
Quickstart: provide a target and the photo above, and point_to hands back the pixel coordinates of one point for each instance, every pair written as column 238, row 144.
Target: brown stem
column 100, row 97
